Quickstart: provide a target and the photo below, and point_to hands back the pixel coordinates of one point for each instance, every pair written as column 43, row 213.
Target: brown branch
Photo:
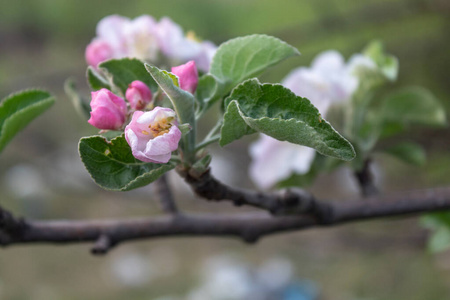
column 249, row 226
column 206, row 186
column 165, row 195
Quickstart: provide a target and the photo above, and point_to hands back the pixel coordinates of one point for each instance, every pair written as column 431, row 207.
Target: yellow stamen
column 190, row 35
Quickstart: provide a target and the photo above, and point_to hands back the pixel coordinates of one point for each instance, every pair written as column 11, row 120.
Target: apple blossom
column 108, row 111
column 144, row 38
column 179, row 47
column 98, row 51
column 138, row 95
column 274, row 160
column 187, row 76
column 153, row 135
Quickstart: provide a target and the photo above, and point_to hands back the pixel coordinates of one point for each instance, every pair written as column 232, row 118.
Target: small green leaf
column 19, row 109
column 274, row 110
column 439, row 223
column 387, row 64
column 182, row 101
column 113, row 166
column 206, row 91
column 81, row 106
column 408, row 152
column 246, row 57
column 201, row 165
column 126, row 70
column 96, row 80
column 234, row 126
column 409, row 106
column 440, row 240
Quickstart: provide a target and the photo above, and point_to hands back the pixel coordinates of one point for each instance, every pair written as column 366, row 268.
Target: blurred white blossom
column 132, row 269
column 145, row 39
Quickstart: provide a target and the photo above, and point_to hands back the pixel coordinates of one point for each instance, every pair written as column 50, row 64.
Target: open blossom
column 328, row 81
column 144, row 38
column 108, row 111
column 153, row 135
column 175, row 45
column 187, row 76
column 126, row 38
column 274, row 160
column 138, row 95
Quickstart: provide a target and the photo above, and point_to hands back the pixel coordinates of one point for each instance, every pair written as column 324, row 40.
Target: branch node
column 250, row 236
column 103, row 244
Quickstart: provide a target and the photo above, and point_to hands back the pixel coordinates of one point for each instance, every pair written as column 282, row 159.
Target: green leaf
column 387, row 64
column 413, row 105
column 439, row 223
column 182, row 101
column 408, row 152
column 207, row 89
column 81, row 106
column 113, row 166
column 19, row 109
column 274, row 110
column 96, row 80
column 246, row 57
column 234, row 126
column 126, row 70
column 440, row 240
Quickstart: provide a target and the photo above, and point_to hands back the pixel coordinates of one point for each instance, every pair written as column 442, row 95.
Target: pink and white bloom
column 108, row 111
column 138, row 95
column 179, row 47
column 144, row 38
column 125, row 38
column 153, row 135
column 98, row 51
column 329, row 80
column 187, row 76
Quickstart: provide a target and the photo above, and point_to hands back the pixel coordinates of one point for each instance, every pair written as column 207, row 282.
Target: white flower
column 176, row 45
column 328, row 81
column 274, row 160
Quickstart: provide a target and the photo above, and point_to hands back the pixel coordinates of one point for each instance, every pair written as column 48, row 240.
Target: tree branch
column 206, row 186
column 248, row 226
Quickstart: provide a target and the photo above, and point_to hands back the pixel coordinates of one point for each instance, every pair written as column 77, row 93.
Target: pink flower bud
column 153, row 135
column 98, row 51
column 187, row 76
column 138, row 94
column 108, row 110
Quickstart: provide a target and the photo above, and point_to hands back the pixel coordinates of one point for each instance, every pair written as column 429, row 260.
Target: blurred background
column 42, row 43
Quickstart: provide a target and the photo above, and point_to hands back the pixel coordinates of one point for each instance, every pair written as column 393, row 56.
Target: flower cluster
column 145, row 39
column 152, row 134
column 328, row 81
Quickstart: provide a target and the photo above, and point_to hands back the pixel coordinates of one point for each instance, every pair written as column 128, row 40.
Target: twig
column 206, row 186
column 165, row 195
column 366, row 180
